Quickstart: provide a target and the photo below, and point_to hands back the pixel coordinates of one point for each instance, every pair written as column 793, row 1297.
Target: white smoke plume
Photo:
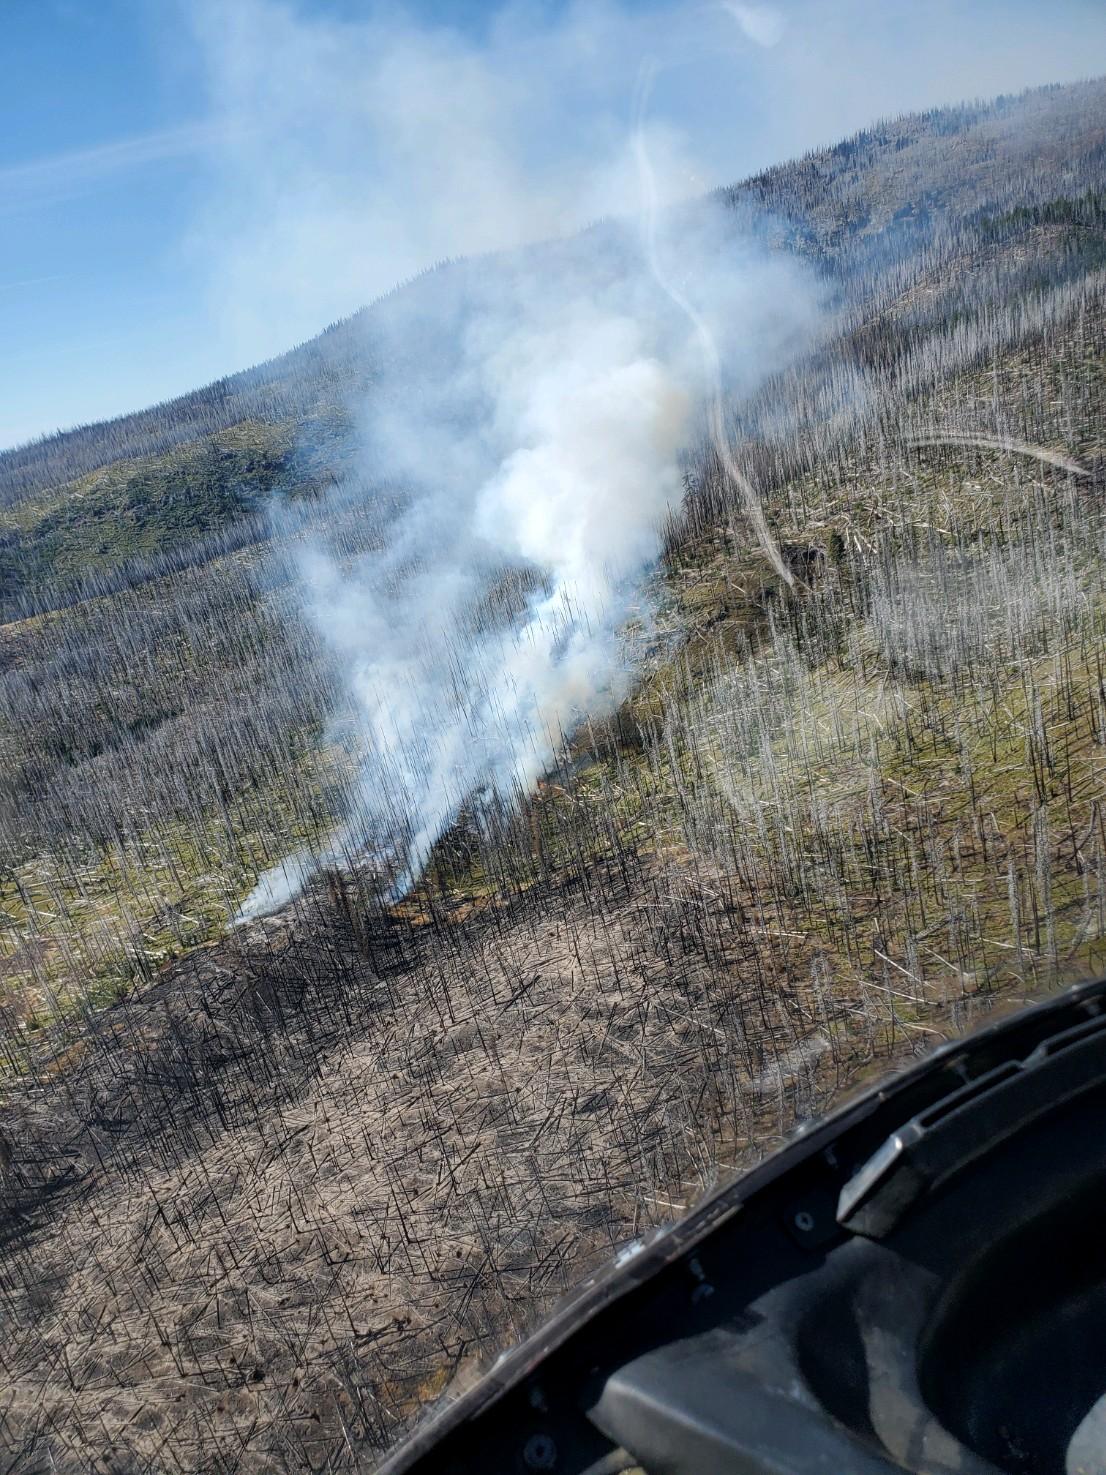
column 544, row 433
column 533, row 408
column 353, row 143
column 760, row 23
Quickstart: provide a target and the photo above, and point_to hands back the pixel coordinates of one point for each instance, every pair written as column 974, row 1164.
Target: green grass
column 149, row 505
column 82, row 931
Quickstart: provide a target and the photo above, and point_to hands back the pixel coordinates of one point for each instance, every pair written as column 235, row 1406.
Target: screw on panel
column 539, row 1452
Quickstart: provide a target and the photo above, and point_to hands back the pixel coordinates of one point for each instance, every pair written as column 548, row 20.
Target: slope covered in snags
column 262, row 1207
column 298, row 1176
column 108, row 504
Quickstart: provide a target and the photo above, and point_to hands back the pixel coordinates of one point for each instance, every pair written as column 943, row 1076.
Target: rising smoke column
column 540, row 426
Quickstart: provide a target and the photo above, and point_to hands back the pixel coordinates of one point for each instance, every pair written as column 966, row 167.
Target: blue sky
column 101, row 167
column 188, row 187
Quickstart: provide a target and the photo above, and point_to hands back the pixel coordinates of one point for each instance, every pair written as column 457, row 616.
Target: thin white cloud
column 25, row 282
column 77, row 171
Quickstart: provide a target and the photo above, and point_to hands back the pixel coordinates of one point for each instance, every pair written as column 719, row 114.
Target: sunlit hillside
column 266, row 1190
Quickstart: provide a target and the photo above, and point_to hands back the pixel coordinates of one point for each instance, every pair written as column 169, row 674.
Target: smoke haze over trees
column 310, row 155
column 266, row 1189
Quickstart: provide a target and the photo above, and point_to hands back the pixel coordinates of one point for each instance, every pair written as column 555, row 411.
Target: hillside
column 899, row 201
column 266, row 1190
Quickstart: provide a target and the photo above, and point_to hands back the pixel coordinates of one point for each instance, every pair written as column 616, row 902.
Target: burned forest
column 275, row 1177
